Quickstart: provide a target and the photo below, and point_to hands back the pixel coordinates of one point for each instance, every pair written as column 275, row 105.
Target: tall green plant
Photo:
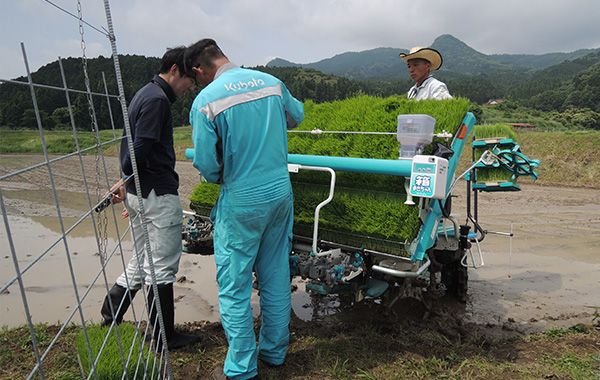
column 110, row 364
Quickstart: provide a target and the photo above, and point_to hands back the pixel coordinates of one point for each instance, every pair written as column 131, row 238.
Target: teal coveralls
column 240, row 123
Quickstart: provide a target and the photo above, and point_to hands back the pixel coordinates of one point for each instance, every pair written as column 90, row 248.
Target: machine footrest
column 375, row 288
column 482, row 143
column 496, row 186
column 449, row 231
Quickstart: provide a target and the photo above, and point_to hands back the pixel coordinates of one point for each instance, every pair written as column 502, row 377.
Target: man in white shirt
column 421, row 61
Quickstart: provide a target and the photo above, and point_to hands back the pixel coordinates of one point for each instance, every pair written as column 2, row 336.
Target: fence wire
column 54, row 256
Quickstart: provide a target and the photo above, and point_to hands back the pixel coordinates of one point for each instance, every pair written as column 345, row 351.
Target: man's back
column 245, row 111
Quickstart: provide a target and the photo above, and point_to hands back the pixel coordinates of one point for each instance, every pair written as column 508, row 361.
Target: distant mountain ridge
column 542, row 61
column 459, row 59
column 568, row 83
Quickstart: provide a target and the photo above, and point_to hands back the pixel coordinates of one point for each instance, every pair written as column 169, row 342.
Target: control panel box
column 428, row 177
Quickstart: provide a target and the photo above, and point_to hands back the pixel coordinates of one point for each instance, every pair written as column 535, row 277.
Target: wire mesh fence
column 60, row 266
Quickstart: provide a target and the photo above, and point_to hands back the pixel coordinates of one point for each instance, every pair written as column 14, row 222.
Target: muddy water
column 49, row 284
column 547, row 276
column 36, row 235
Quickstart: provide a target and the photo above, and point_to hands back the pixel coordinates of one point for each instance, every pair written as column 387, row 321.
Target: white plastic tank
column 415, row 132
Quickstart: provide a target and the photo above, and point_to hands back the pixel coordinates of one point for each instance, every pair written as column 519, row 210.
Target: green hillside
column 459, row 58
column 561, row 95
column 531, row 79
column 568, row 158
column 462, row 59
column 541, row 61
column 16, row 109
column 375, row 63
column 548, row 89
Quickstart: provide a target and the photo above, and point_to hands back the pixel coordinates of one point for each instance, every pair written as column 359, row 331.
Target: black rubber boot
column 174, row 339
column 117, row 295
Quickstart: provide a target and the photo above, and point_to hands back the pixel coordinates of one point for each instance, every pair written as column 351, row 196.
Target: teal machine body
column 430, row 179
column 403, row 168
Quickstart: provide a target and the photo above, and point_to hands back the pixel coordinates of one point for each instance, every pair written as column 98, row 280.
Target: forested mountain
column 467, row 72
column 459, row 58
column 567, row 84
column 570, row 87
column 547, row 82
column 307, row 83
column 541, row 61
column 16, row 109
column 462, row 59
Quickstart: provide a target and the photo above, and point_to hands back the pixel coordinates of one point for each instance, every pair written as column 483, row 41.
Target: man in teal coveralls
column 240, row 121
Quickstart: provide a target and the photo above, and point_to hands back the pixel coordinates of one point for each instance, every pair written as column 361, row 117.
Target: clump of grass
column 558, row 333
column 204, row 197
column 110, row 364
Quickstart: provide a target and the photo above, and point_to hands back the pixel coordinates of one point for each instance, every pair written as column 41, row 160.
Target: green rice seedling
column 492, row 174
column 358, row 217
column 492, row 132
column 204, row 198
column 110, row 364
column 495, row 131
column 368, row 114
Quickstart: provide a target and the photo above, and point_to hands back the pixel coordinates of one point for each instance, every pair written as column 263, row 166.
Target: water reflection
column 49, row 289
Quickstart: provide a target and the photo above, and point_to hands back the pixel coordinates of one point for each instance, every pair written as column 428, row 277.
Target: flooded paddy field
column 548, row 276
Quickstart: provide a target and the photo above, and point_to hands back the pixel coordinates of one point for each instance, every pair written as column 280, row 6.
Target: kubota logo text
column 244, row 85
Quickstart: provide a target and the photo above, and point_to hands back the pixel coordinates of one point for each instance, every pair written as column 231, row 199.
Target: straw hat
column 433, row 56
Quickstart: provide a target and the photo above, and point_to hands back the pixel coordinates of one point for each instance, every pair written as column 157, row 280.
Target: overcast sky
column 252, row 32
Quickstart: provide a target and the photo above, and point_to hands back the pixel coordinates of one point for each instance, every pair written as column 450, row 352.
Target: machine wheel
column 455, row 278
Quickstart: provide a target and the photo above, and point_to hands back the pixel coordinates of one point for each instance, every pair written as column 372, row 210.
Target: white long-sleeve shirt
column 431, row 88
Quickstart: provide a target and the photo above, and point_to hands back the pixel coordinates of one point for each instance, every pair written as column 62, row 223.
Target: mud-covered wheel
column 455, row 278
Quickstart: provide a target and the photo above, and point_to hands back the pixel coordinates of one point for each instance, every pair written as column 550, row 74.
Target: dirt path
column 549, row 279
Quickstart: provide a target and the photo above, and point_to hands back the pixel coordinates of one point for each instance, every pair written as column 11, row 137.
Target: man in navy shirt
column 151, row 126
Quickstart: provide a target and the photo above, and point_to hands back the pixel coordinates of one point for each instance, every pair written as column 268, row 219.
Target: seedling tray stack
column 492, row 177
